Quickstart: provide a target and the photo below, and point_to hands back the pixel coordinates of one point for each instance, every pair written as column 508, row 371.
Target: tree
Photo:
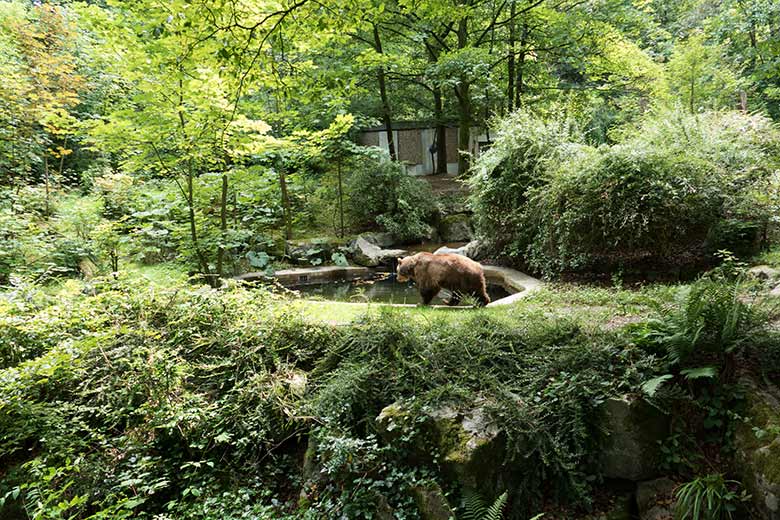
column 697, row 77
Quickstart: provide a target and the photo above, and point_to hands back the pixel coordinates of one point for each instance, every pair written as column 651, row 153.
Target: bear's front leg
column 427, row 295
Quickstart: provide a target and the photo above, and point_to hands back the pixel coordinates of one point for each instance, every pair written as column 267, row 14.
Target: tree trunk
column 341, row 199
column 204, row 264
column 386, row 118
column 519, row 86
column 510, row 66
column 222, row 226
column 46, row 181
column 441, row 131
column 190, row 195
column 464, row 106
column 285, row 205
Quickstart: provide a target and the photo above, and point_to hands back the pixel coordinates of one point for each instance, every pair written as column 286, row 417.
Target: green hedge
column 673, row 191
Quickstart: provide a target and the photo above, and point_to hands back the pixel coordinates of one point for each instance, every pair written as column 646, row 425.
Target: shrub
column 187, row 401
column 525, row 150
column 672, row 192
column 382, row 194
column 710, row 497
column 711, row 319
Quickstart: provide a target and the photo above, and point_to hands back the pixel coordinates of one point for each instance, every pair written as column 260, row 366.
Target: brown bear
column 432, row 273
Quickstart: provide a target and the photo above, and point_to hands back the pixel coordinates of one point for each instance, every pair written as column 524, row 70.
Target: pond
column 384, row 290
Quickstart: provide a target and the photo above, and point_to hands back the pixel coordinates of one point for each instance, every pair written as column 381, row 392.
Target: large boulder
column 311, row 252
column 764, row 273
column 468, row 442
column 618, row 508
column 432, row 503
column 634, row 431
column 655, row 499
column 473, row 250
column 379, row 239
column 758, row 448
column 370, row 255
column 456, row 228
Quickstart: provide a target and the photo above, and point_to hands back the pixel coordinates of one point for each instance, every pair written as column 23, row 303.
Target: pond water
column 384, row 290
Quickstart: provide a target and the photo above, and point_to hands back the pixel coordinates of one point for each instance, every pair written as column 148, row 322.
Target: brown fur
column 433, row 273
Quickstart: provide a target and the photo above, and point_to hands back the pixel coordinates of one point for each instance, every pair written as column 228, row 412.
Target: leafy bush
column 709, row 323
column 672, row 192
column 123, row 401
column 383, row 194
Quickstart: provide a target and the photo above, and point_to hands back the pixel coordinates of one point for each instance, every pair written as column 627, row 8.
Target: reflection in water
column 385, row 290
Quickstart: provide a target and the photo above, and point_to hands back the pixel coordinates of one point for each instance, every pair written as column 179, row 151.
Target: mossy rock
column 634, row 429
column 469, row 445
column 456, row 228
column 431, row 502
column 758, row 448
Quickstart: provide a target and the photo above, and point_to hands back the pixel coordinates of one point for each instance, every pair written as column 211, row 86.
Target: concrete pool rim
column 516, row 283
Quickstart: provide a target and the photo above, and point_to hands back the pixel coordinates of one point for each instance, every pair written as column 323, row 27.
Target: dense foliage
column 674, row 191
column 188, row 142
column 130, row 400
column 385, row 195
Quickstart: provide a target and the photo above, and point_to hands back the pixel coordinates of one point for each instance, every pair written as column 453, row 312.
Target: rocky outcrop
column 311, row 252
column 468, row 442
column 764, row 273
column 758, row 448
column 456, row 228
column 432, row 503
column 473, row 250
column 619, row 509
column 379, row 239
column 655, row 499
column 370, row 255
column 634, row 431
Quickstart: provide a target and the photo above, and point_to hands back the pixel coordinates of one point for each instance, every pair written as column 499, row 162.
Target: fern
column 476, row 509
column 496, row 511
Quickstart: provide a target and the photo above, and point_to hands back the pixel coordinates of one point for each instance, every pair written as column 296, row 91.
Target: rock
column 620, row 509
column 764, row 272
column 431, row 234
column 379, row 239
column 456, row 228
column 635, row 429
column 432, row 503
column 758, row 451
column 471, row 250
column 474, row 250
column 383, row 509
column 775, row 292
column 312, row 475
column 468, row 442
column 444, row 250
column 655, row 499
column 472, row 450
column 367, row 254
column 454, row 207
column 392, row 421
column 310, row 252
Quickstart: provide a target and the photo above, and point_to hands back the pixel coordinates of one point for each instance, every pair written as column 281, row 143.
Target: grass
column 592, row 307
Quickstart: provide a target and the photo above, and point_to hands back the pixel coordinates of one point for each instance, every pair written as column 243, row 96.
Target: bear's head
column 405, row 269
